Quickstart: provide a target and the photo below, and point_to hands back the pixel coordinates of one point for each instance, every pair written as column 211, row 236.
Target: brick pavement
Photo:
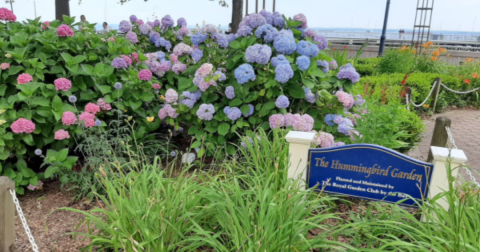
column 466, row 133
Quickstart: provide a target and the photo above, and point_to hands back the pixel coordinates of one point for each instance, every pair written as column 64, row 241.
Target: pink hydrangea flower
column 33, row 188
column 276, row 121
column 64, row 31
column 68, row 118
column 174, row 58
column 7, row 15
column 325, row 140
column 345, row 98
column 5, row 66
column 338, row 120
column 171, row 96
column 351, row 133
column 205, row 85
column 135, row 57
column 302, row 18
column 62, row 84
column 127, row 59
column 204, row 70
column 289, row 118
column 140, row 22
column 156, row 86
column 145, row 75
column 103, row 105
column 88, row 118
column 61, row 134
column 92, row 108
column 103, row 40
column 24, row 78
column 45, row 25
column 303, row 123
column 112, row 39
column 167, row 110
column 22, row 125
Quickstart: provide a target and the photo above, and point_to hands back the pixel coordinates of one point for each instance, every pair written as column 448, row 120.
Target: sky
column 453, row 15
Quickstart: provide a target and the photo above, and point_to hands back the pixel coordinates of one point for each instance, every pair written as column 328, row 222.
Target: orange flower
column 442, row 50
column 414, row 51
column 436, row 53
column 426, row 106
column 162, row 97
column 467, row 81
column 475, row 75
column 434, row 58
column 468, row 59
column 429, row 43
column 424, row 45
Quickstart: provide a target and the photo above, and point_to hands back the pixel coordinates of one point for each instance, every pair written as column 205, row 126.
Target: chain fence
column 24, row 221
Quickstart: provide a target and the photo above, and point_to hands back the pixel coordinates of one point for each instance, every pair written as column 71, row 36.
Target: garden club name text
column 375, row 170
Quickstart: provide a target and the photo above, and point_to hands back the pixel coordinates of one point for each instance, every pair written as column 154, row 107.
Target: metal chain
column 472, row 178
column 426, row 99
column 460, row 92
column 24, row 221
column 450, row 136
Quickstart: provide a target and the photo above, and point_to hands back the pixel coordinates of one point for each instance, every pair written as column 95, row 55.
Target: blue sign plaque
column 369, row 172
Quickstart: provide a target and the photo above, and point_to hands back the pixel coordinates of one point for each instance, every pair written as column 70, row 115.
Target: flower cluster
column 92, row 108
column 24, row 78
column 182, row 49
column 303, row 63
column 68, row 118
column 345, row 98
column 307, row 49
column 282, row 102
column 62, row 84
column 284, row 42
column 267, row 32
column 244, row 73
column 5, row 66
column 7, row 15
column 302, row 18
column 119, row 62
column 283, row 73
column 103, row 105
column 145, row 75
column 125, row 26
column 348, row 72
column 64, row 31
column 132, row 36
column 22, row 125
column 190, row 98
column 259, row 54
column 167, row 110
column 171, row 96
column 61, row 134
column 324, row 65
column 205, row 112
column 298, row 122
column 232, row 113
column 278, row 60
column 167, row 22
column 309, row 95
column 230, row 92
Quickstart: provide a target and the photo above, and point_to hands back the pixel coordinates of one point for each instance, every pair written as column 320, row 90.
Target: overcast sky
column 458, row 15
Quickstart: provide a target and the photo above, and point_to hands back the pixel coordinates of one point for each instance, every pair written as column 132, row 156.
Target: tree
column 237, row 14
column 62, row 7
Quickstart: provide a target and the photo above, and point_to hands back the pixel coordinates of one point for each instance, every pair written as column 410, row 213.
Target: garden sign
column 369, row 172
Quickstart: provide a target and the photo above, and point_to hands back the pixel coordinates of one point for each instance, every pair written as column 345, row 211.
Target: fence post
column 408, row 93
column 435, row 93
column 7, row 215
column 299, row 143
column 440, row 136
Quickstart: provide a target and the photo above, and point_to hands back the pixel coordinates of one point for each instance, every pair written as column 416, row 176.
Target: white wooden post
column 299, row 143
column 439, row 180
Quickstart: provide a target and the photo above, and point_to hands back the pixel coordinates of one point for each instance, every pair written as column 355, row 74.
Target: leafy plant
column 396, row 61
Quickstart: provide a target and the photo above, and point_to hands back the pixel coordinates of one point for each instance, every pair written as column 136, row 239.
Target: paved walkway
column 466, row 133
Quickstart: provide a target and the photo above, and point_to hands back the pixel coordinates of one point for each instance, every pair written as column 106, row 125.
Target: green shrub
column 367, row 66
column 396, row 61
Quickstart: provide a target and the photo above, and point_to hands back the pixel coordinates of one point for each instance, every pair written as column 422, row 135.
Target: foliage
column 367, row 66
column 342, row 58
column 428, row 60
column 396, row 61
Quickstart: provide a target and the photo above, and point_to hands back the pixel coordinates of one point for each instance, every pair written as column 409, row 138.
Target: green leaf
column 105, row 89
column 212, row 129
column 28, row 139
column 183, row 83
column 57, row 103
column 319, row 73
column 309, row 83
column 235, row 44
column 3, row 88
column 135, row 104
column 70, row 162
column 51, row 170
column 88, row 95
column 195, row 144
column 57, row 70
column 235, row 103
column 29, row 88
column 192, row 130
column 267, row 107
column 271, row 83
column 78, row 59
column 325, row 85
column 223, row 129
column 296, row 91
column 40, row 100
column 62, row 155
column 67, row 57
column 147, row 97
column 15, row 69
column 88, row 69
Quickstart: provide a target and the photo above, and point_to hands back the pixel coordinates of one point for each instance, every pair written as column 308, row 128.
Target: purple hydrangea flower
column 250, row 111
column 119, row 63
column 205, row 112
column 278, row 20
column 154, row 66
column 333, row 64
column 226, row 110
column 160, row 55
column 285, row 43
column 309, row 96
column 133, row 18
column 98, row 123
column 231, row 37
column 258, row 54
column 310, row 33
column 222, row 75
column 307, row 49
column 245, row 73
column 283, row 73
column 268, row 16
column 125, row 26
column 132, row 36
column 337, row 144
column 145, row 29
column 338, row 119
column 165, row 66
column 322, row 42
column 323, row 64
column 243, row 31
column 234, row 113
column 182, row 49
column 163, row 42
column 303, row 63
column 359, row 101
column 345, row 126
column 167, row 22
column 280, row 59
column 302, row 18
column 209, row 29
column 197, row 55
column 222, row 40
column 178, row 68
column 182, row 22
column 282, row 102
column 156, row 23
column 329, row 119
column 230, row 92
column 276, row 121
column 150, row 24
column 256, row 20
column 198, row 38
column 267, row 32
column 347, row 72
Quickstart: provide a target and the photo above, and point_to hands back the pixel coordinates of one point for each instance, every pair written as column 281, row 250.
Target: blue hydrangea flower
column 280, row 59
column 173, row 153
column 231, row 37
column 283, row 73
column 359, row 101
column 205, row 112
column 133, row 18
column 256, row 20
column 38, row 152
column 324, row 65
column 197, row 55
column 98, row 123
column 156, row 23
column 309, row 96
column 230, row 92
column 267, row 32
column 250, row 111
column 222, row 75
column 144, row 29
column 198, row 38
column 348, row 72
column 226, row 110
column 234, row 113
column 245, row 73
column 345, row 126
column 258, row 54
column 303, row 63
column 243, row 30
column 278, row 19
column 322, row 42
column 329, row 119
column 188, row 102
column 222, row 40
column 73, row 98
column 282, row 102
column 306, row 48
column 124, row 26
column 182, row 22
column 268, row 16
column 167, row 22
column 118, row 85
column 163, row 42
column 160, row 55
column 284, row 43
column 153, row 37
